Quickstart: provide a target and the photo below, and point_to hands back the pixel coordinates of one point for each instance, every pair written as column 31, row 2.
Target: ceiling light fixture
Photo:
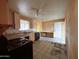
column 37, row 11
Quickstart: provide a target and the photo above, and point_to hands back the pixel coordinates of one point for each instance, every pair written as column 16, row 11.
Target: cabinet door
column 23, row 52
column 16, row 20
column 4, row 12
column 11, row 18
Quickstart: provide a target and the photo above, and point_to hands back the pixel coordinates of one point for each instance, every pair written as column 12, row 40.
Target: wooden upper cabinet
column 16, row 20
column 4, row 13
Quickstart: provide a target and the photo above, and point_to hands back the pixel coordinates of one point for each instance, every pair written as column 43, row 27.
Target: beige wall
column 48, row 26
column 37, row 25
column 72, row 29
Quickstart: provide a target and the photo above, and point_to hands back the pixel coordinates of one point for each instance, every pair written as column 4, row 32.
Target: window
column 24, row 24
column 59, row 32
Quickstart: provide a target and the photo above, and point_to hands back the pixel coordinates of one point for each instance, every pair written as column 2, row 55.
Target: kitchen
column 23, row 29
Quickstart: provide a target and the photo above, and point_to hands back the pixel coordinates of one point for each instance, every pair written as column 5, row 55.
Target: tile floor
column 45, row 50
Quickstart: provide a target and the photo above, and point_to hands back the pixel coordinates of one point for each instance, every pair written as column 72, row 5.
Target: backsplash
column 11, row 31
column 15, row 33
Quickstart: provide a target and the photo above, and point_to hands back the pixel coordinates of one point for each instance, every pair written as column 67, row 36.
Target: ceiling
column 47, row 9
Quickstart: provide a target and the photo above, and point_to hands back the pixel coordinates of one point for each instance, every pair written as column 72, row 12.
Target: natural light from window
column 24, row 25
column 59, row 32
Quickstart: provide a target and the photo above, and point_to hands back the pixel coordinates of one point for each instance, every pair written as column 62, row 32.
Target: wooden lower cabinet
column 24, row 52
column 47, row 34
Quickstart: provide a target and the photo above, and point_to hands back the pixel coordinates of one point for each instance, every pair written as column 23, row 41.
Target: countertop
column 13, row 44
